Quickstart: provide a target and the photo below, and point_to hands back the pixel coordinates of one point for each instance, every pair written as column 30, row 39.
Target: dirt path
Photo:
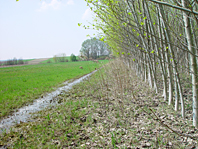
column 33, row 62
column 37, row 61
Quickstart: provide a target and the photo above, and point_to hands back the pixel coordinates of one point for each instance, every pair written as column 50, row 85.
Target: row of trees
column 155, row 37
column 63, row 58
column 94, row 48
column 60, row 58
column 13, row 61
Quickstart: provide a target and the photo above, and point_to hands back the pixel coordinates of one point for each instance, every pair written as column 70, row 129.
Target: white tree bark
column 193, row 64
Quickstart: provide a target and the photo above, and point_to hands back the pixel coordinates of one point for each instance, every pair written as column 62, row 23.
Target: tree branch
column 174, row 6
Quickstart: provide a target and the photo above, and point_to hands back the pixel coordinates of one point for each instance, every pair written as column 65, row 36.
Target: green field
column 52, row 60
column 26, row 60
column 20, row 85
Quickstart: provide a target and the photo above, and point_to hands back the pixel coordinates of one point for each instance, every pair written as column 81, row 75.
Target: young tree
column 93, row 48
column 73, row 58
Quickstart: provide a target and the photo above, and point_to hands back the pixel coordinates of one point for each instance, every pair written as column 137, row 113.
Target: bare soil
column 33, row 62
column 37, row 61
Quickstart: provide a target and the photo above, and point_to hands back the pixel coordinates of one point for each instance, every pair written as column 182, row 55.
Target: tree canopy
column 155, row 38
column 93, row 48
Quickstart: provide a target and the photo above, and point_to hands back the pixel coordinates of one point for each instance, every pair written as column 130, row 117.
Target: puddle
column 23, row 114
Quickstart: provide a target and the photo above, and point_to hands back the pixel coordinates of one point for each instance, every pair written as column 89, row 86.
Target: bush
column 60, row 58
column 49, row 61
column 73, row 58
column 20, row 61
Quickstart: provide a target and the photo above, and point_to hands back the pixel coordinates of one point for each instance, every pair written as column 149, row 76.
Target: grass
column 20, row 85
column 52, row 60
column 93, row 115
column 59, row 127
column 26, row 60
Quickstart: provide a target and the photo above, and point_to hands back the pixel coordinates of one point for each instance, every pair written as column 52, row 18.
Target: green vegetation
column 14, row 61
column 51, row 60
column 26, row 60
column 95, row 114
column 73, row 58
column 20, row 85
column 94, row 48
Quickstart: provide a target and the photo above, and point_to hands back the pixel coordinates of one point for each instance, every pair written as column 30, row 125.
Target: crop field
column 21, row 85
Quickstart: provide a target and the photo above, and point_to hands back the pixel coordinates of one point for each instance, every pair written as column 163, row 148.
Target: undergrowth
column 112, row 109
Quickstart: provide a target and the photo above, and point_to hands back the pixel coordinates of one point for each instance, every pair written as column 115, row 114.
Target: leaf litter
column 113, row 109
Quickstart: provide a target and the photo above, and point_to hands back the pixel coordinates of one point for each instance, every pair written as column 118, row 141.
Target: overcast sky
column 42, row 28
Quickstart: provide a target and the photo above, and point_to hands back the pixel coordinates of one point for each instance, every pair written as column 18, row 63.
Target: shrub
column 20, row 61
column 73, row 57
column 49, row 61
column 60, row 58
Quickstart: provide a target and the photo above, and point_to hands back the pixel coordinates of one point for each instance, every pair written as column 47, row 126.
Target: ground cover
column 51, row 60
column 20, row 85
column 113, row 109
column 26, row 60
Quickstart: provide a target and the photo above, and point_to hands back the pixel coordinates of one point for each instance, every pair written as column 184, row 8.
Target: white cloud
column 87, row 14
column 54, row 4
column 70, row 2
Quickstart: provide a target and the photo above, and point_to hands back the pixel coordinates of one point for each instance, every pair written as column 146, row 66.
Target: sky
column 42, row 28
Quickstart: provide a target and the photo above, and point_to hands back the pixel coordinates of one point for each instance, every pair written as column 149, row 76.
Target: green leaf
column 102, row 39
column 129, row 13
column 145, row 18
column 171, row 60
column 180, row 34
column 128, row 53
column 124, row 24
column 137, row 45
column 118, row 53
column 152, row 51
column 134, row 59
column 122, row 52
column 79, row 24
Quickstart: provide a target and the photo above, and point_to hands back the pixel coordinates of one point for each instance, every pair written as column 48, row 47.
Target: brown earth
column 32, row 62
column 37, row 61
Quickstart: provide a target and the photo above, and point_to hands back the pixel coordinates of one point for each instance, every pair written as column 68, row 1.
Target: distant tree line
column 63, row 58
column 13, row 61
column 60, row 58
